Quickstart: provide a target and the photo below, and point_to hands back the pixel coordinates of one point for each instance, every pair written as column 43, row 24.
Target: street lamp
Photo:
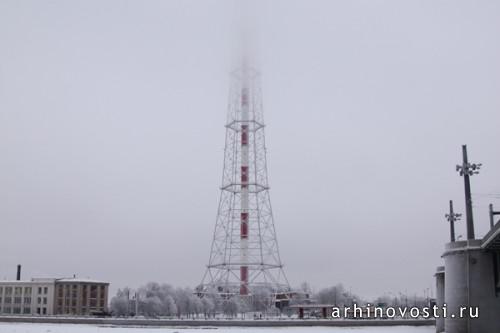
column 452, row 218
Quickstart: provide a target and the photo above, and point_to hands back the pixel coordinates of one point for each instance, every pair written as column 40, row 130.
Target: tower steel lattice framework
column 244, row 257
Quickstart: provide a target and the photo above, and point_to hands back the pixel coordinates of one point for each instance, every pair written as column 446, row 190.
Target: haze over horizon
column 112, row 131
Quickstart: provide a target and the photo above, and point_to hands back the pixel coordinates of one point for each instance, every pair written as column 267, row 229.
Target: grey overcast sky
column 112, row 132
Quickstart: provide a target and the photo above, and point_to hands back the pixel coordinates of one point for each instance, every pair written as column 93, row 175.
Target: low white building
column 27, row 297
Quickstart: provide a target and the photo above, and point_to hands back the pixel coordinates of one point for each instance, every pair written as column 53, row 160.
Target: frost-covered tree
column 336, row 295
column 208, row 306
column 169, row 307
column 182, row 297
column 151, row 306
column 120, row 303
column 231, row 307
column 195, row 306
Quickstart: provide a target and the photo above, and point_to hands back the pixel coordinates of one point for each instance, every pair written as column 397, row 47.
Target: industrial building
column 65, row 296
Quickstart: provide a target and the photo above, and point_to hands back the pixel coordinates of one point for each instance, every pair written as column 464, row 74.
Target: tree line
column 164, row 300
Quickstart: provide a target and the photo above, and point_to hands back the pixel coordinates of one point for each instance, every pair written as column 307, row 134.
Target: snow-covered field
column 76, row 328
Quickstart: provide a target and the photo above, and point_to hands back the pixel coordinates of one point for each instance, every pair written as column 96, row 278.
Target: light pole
column 466, row 170
column 452, row 218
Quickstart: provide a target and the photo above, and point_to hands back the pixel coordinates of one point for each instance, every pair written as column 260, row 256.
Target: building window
column 27, row 290
column 38, row 311
column 39, row 290
column 45, row 300
column 27, row 300
column 44, row 311
column 6, row 309
column 16, row 310
column 27, row 310
column 46, row 290
column 1, row 290
column 8, row 300
column 8, row 290
column 60, row 291
column 17, row 300
column 39, row 300
column 18, row 290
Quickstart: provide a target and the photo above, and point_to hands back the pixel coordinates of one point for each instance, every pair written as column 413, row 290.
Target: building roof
column 53, row 280
column 32, row 281
column 80, row 280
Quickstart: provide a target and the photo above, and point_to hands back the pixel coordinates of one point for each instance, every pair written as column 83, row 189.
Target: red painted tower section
column 244, row 192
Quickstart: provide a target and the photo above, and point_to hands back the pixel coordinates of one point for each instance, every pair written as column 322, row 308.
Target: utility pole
column 128, row 302
column 492, row 216
column 452, row 218
column 466, row 170
column 136, row 303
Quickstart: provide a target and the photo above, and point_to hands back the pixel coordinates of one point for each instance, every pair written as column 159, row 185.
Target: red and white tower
column 244, row 258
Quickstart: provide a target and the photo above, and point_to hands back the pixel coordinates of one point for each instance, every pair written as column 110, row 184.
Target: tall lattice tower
column 244, row 258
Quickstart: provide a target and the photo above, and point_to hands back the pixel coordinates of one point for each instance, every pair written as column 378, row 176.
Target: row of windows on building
column 21, row 310
column 72, row 291
column 19, row 290
column 73, row 302
column 74, row 310
column 19, row 300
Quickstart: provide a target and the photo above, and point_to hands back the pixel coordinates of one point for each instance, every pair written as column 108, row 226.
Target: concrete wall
column 440, row 286
column 469, row 282
column 483, row 293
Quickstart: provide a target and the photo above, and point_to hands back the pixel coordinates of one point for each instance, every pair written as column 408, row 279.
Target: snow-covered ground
column 76, row 328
